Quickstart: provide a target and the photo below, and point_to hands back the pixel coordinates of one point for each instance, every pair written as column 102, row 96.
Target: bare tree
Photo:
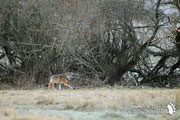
column 96, row 38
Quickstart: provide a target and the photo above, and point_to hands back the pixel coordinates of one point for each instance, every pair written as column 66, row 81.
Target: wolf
column 61, row 79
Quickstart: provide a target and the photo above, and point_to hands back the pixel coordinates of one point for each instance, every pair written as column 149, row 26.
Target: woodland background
column 104, row 41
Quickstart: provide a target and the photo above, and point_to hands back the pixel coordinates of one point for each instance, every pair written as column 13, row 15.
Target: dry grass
column 34, row 104
column 8, row 113
column 178, row 99
column 41, row 100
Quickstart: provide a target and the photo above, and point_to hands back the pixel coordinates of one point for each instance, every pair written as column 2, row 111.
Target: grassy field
column 89, row 104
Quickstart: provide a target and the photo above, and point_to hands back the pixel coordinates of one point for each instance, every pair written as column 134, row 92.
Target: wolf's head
column 71, row 75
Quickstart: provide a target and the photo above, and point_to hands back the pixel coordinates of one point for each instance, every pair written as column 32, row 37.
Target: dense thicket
column 112, row 41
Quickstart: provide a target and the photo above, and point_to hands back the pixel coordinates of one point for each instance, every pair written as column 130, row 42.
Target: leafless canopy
column 111, row 39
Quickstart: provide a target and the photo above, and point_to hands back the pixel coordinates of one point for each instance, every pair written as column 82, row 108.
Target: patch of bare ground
column 103, row 103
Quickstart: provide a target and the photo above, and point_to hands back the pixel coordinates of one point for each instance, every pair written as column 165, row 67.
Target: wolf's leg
column 68, row 85
column 59, row 86
column 53, row 85
column 50, row 85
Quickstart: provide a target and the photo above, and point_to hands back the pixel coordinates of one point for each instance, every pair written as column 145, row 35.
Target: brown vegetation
column 100, row 103
column 101, row 40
